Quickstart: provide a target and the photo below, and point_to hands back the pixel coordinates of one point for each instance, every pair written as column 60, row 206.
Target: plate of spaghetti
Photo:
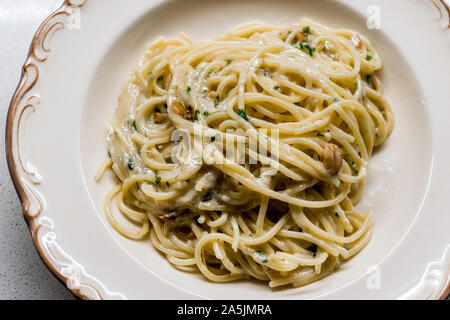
column 236, row 150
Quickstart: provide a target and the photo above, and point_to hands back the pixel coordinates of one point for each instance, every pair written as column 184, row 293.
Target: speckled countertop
column 22, row 273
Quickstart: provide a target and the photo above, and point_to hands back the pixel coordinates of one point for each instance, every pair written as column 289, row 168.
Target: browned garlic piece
column 332, row 158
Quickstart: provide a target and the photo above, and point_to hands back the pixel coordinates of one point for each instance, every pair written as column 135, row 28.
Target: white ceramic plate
column 59, row 114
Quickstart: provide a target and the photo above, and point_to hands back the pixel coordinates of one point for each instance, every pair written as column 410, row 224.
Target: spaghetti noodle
column 306, row 94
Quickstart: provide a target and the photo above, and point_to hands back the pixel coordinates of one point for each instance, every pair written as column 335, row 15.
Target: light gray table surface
column 22, row 273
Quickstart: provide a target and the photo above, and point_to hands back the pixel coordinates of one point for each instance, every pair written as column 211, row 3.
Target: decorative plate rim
column 65, row 269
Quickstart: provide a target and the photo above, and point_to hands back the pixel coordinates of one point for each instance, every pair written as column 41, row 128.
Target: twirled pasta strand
column 286, row 220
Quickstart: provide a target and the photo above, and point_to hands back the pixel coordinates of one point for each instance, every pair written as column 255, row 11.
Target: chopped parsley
column 134, row 125
column 355, row 173
column 198, row 159
column 130, row 164
column 304, row 45
column 320, row 135
column 160, row 78
column 167, row 183
column 289, row 32
column 369, row 57
column 306, row 29
column 197, row 111
column 109, row 154
column 157, row 178
column 335, row 99
column 261, row 256
column 206, row 113
column 243, row 115
column 188, row 90
column 150, row 73
column 276, row 88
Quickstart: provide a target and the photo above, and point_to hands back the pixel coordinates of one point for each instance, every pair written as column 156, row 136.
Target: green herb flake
column 150, row 73
column 198, row 159
column 188, row 90
column 243, row 115
column 320, row 135
column 261, row 256
column 157, row 179
column 276, row 88
column 134, row 125
column 130, row 164
column 167, row 183
column 306, row 29
column 197, row 111
column 137, row 185
column 335, row 99
column 289, row 32
column 206, row 113
column 369, row 57
column 304, row 45
column 109, row 154
column 160, row 78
